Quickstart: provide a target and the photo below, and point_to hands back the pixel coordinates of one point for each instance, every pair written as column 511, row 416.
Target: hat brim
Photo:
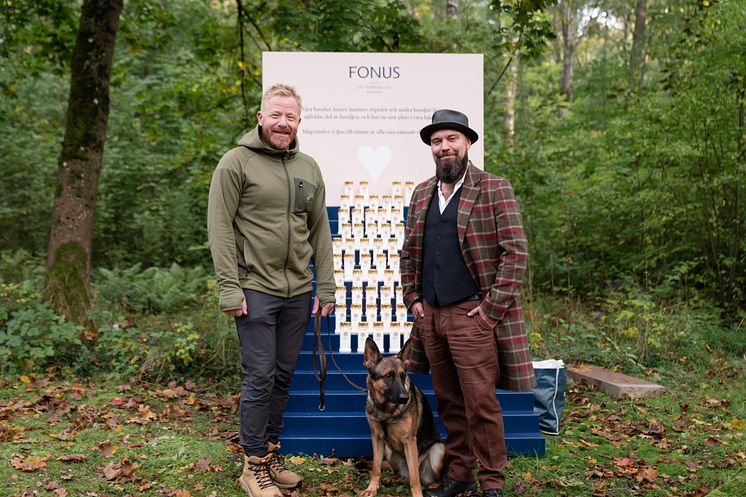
column 428, row 130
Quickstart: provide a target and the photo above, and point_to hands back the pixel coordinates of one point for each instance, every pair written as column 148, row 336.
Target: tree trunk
column 69, row 250
column 452, row 9
column 638, row 40
column 510, row 102
column 567, row 48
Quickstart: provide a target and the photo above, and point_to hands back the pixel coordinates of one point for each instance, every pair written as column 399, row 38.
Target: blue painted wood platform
column 342, row 429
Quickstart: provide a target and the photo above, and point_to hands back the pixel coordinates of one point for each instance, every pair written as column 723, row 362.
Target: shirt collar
column 457, row 185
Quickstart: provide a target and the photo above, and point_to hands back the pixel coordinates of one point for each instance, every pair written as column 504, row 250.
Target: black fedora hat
column 448, row 119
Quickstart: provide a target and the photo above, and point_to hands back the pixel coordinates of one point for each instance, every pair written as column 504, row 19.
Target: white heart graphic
column 374, row 161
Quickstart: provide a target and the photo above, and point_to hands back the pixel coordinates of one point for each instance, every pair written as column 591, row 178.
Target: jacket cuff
column 231, row 299
column 410, row 299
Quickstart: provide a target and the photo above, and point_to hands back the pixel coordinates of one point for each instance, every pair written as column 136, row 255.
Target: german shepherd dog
column 401, row 423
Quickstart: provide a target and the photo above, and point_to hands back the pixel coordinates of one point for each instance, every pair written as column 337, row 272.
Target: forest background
column 619, row 122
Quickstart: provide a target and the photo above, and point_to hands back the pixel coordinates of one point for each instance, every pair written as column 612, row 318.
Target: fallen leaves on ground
column 28, row 463
column 602, row 439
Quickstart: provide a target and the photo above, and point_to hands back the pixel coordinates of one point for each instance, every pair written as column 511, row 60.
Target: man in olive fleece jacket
column 266, row 220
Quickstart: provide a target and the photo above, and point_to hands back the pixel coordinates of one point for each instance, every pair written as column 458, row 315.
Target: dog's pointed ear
column 405, row 354
column 372, row 355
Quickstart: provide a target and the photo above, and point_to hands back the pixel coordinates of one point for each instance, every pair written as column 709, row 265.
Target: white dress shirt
column 442, row 201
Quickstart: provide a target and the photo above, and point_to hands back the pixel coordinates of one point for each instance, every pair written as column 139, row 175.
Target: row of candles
column 364, row 266
column 366, row 261
column 358, row 195
column 398, row 334
column 370, row 310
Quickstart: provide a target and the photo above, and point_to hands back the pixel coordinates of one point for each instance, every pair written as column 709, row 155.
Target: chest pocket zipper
column 305, row 194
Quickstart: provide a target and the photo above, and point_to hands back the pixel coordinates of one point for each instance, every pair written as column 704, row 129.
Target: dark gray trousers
column 270, row 338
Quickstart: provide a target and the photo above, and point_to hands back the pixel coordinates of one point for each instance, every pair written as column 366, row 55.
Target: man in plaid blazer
column 462, row 263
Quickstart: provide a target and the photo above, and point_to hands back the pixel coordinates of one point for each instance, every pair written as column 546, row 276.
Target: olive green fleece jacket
column 266, row 219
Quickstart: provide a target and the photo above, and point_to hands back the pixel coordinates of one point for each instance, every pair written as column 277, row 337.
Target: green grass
column 96, row 437
column 101, row 439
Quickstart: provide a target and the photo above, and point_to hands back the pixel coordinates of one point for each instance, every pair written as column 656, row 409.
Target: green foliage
column 15, row 297
column 121, row 349
column 30, row 140
column 162, row 323
column 32, row 336
column 175, row 109
column 630, row 328
column 627, row 180
column 177, row 347
column 153, row 289
column 19, row 266
column 529, row 27
column 35, row 338
column 330, row 26
column 44, row 28
column 643, row 181
column 163, row 351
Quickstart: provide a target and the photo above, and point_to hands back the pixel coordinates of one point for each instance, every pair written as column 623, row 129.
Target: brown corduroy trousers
column 463, row 358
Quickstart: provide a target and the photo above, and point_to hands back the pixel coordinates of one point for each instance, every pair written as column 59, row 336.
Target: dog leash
column 318, row 352
column 334, row 361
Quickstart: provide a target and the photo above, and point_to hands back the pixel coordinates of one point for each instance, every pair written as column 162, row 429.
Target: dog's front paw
column 370, row 491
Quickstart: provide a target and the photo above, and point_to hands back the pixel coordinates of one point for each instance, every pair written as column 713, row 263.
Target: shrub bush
column 35, row 338
column 32, row 336
column 627, row 328
column 151, row 290
column 186, row 336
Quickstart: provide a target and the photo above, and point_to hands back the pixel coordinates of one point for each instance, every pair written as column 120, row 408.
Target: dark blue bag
column 549, row 394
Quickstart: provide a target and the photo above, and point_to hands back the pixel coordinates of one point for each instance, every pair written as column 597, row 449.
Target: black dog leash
column 318, row 351
column 334, row 361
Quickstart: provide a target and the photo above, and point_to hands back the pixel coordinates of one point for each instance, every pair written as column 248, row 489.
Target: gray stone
column 617, row 385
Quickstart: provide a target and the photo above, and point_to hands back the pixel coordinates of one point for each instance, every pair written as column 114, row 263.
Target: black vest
column 445, row 277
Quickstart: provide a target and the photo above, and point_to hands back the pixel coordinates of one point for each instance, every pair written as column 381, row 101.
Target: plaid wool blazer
column 494, row 246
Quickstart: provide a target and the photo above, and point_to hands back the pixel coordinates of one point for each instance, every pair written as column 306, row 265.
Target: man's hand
column 491, row 322
column 418, row 310
column 234, row 313
column 325, row 311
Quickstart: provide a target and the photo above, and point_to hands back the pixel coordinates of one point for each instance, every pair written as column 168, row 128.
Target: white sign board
column 362, row 112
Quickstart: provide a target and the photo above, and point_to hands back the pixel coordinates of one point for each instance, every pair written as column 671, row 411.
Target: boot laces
column 275, row 464
column 261, row 474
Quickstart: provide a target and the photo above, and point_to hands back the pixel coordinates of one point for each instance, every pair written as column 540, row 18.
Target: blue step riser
column 309, row 402
column 354, row 401
column 331, row 424
column 307, row 384
column 520, row 445
column 303, row 380
column 335, row 385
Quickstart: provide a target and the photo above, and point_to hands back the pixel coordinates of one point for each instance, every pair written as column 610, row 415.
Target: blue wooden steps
column 342, row 429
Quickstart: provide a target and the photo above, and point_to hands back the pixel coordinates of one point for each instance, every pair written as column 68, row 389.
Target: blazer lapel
column 422, row 214
column 469, row 194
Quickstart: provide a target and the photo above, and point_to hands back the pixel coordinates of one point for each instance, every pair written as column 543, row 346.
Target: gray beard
column 450, row 171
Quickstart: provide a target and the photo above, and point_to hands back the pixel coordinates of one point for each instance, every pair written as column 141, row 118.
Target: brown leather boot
column 281, row 476
column 256, row 480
